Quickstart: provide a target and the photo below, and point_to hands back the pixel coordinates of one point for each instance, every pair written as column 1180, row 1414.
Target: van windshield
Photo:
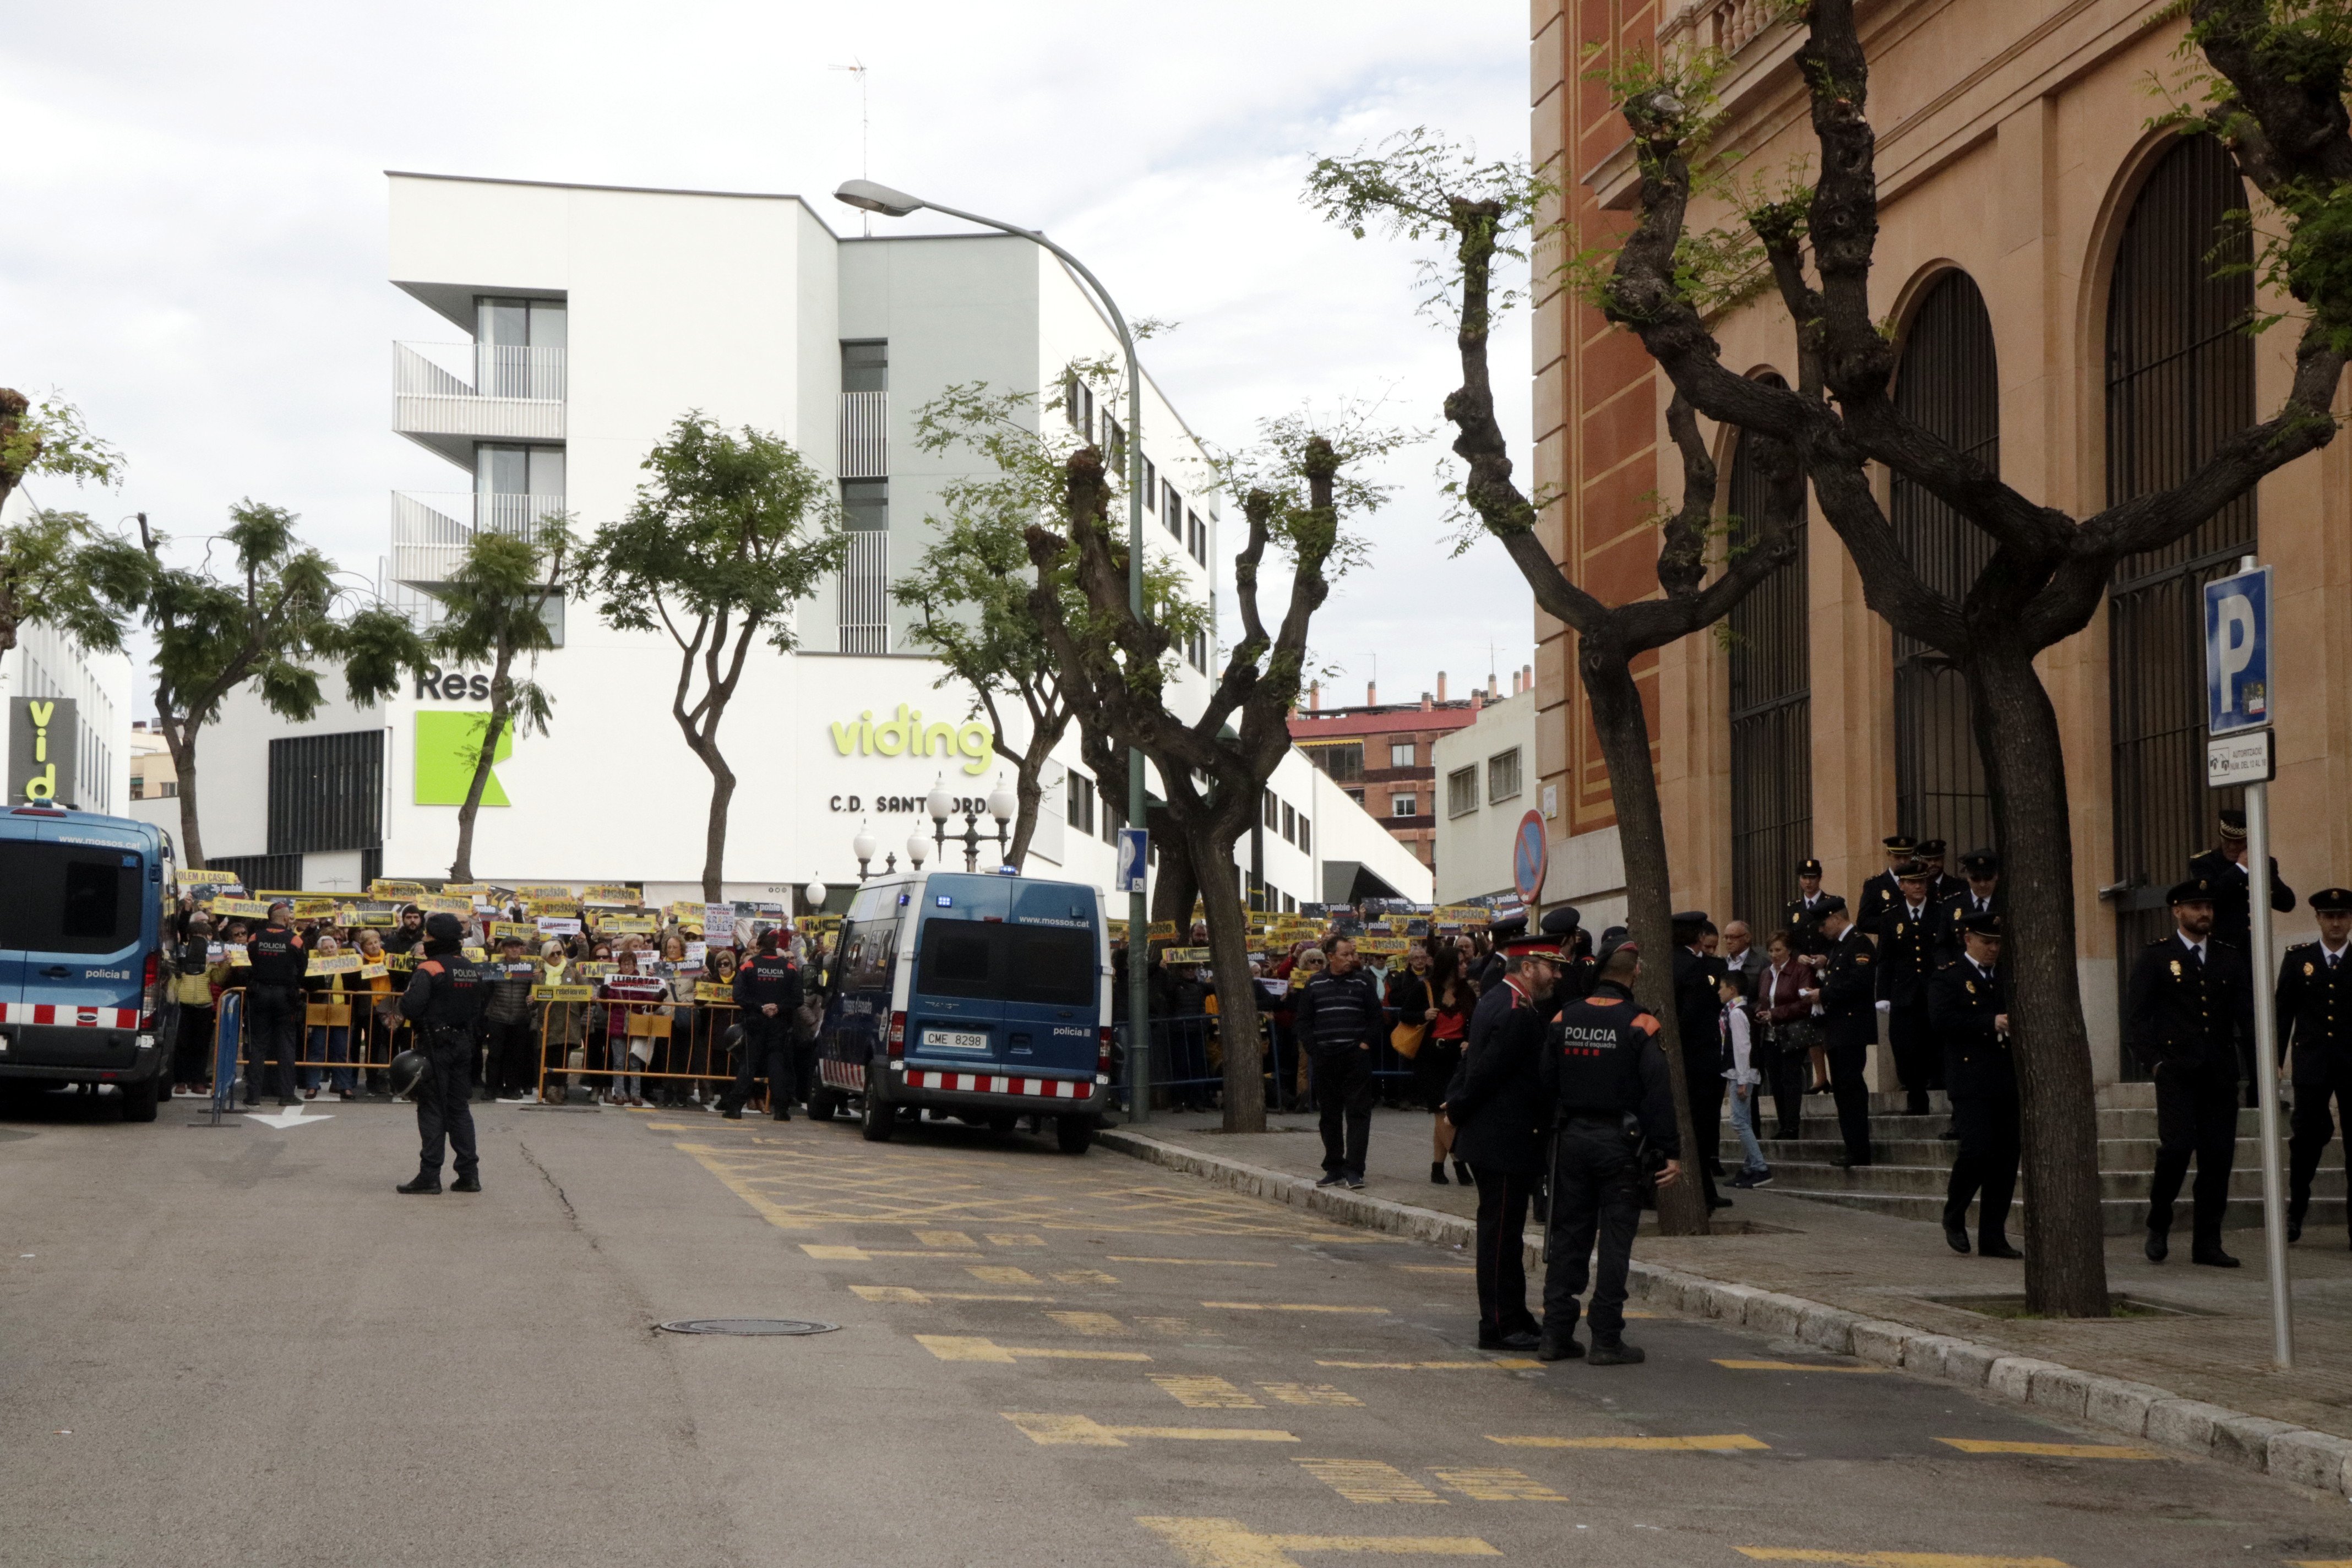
column 1047, row 966
column 67, row 897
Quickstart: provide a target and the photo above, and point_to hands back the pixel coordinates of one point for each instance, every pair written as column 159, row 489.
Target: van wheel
column 140, row 1099
column 824, row 1104
column 1074, row 1135
column 1004, row 1122
column 880, row 1120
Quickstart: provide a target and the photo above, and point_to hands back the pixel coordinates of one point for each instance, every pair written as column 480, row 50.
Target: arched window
column 1771, row 719
column 1948, row 383
column 2180, row 380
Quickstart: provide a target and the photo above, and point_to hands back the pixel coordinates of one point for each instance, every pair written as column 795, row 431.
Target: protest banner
column 237, row 957
column 374, row 971
column 242, row 909
column 531, row 890
column 1185, row 954
column 713, row 991
column 559, row 925
column 570, row 907
column 204, row 884
column 564, row 993
column 404, row 892
column 476, row 953
column 612, row 893
column 337, row 964
column 501, row 930
column 626, row 925
column 595, row 969
column 442, row 904
column 1159, row 931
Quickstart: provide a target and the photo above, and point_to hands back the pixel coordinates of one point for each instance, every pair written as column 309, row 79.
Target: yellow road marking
column 1498, row 1485
column 1309, row 1393
column 864, row 1254
column 1288, row 1307
column 1090, row 1323
column 960, row 1347
column 1790, row 1366
column 1175, row 1328
column 1725, row 1442
column 1368, row 1481
column 2311, row 1563
column 904, row 1296
column 1501, row 1363
column 945, row 1238
column 1084, row 1277
column 1203, row 1262
column 1229, row 1543
column 1014, row 1238
column 1893, row 1558
column 1084, row 1432
column 2054, row 1450
column 1437, row 1269
column 1203, row 1393
column 1000, row 1274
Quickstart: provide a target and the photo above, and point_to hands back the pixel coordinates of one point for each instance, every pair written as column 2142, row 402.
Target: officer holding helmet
column 445, row 1001
column 273, row 1002
column 768, row 992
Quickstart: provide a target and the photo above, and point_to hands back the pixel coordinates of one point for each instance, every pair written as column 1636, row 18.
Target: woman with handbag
column 1796, row 1038
column 1413, row 1001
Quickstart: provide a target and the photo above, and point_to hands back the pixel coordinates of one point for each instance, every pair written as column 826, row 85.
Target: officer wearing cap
column 2188, row 1007
column 1981, row 872
column 2315, row 1017
column 1904, row 961
column 1500, row 933
column 1844, row 1000
column 274, row 1003
column 445, row 1001
column 2224, row 868
column 1698, row 1009
column 1968, row 1009
column 1881, row 892
column 1605, row 1080
column 1941, row 884
column 768, row 993
column 1803, row 916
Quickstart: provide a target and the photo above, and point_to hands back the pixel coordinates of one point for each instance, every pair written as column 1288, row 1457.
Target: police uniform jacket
column 447, row 994
column 1849, row 996
column 1601, row 1058
column 1946, row 937
column 1496, row 1101
column 2314, row 1014
column 276, row 957
column 1879, row 894
column 2233, row 896
column 1697, row 1005
column 1962, row 1003
column 1906, row 956
column 1805, row 923
column 2180, row 1013
column 766, row 977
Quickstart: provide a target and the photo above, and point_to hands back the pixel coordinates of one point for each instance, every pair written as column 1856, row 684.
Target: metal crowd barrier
column 596, row 1043
column 1186, row 1059
column 366, row 1046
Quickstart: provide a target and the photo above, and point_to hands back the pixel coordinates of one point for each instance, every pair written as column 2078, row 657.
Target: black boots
column 429, row 1186
column 1616, row 1353
column 467, row 1184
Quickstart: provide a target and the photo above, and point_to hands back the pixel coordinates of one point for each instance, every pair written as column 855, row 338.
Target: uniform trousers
column 766, row 1052
column 1703, row 1079
column 274, row 1016
column 1502, row 1267
column 2196, row 1117
column 1852, row 1096
column 1986, row 1162
column 1343, row 1098
column 2314, row 1127
column 1596, row 1194
column 445, row 1111
column 1917, row 1063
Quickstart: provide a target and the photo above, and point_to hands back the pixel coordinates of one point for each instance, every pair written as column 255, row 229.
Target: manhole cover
column 752, row 1326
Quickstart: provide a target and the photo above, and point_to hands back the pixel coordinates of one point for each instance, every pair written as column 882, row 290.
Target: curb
column 2318, row 1460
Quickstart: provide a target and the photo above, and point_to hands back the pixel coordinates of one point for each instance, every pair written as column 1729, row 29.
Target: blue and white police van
column 986, row 998
column 85, row 913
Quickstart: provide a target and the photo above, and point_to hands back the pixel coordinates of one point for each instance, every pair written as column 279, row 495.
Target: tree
column 55, row 569
column 495, row 608
column 261, row 626
column 1115, row 666
column 724, row 540
column 1421, row 187
column 2275, row 94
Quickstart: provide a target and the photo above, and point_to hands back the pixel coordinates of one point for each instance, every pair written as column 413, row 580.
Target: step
column 2114, row 1154
column 2122, row 1123
column 2325, row 1226
column 1891, row 1178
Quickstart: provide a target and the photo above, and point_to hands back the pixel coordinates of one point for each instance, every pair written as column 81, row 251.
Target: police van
column 982, row 997
column 85, row 907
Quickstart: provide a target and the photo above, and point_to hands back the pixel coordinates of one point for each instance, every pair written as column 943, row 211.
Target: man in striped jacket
column 1337, row 1018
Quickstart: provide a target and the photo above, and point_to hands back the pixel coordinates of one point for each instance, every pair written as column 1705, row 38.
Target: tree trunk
column 461, row 869
column 1031, row 797
column 1236, row 989
column 1624, row 731
column 182, row 743
column 1176, row 888
column 722, row 793
column 2025, row 774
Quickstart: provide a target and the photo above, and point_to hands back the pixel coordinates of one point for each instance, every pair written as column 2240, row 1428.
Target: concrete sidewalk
column 2210, row 1341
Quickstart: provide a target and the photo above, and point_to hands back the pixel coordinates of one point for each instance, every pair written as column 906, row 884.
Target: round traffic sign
column 1529, row 858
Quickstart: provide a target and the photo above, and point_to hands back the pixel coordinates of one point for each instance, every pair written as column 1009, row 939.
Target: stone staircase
column 1913, row 1164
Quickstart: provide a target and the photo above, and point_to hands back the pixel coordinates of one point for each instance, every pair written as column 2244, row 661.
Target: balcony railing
column 1726, row 25
column 430, row 531
column 865, row 434
column 445, row 394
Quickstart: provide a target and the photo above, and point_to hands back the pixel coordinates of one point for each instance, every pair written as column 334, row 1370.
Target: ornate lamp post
column 863, row 847
column 1001, row 805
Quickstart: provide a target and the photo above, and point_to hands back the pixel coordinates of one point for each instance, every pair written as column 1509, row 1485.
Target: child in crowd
column 1739, row 1068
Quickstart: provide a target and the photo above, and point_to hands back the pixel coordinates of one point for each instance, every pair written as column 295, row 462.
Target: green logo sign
column 907, row 736
column 448, row 748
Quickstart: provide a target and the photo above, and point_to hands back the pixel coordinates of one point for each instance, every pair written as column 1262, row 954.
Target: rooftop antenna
column 865, row 127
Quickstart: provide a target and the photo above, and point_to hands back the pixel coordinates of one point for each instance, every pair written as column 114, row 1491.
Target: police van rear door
column 1006, row 976
column 72, row 921
column 1052, row 1001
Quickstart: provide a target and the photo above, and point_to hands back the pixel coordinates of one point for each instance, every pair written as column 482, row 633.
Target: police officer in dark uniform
column 1698, row 1009
column 1496, row 1103
column 1802, row 918
column 445, row 1001
column 1941, row 884
column 2314, row 1016
column 1849, row 1025
column 1605, row 1080
column 2224, row 869
column 1981, row 872
column 274, row 1003
column 1880, row 894
column 767, row 995
column 1904, row 961
column 1968, row 1009
column 2189, row 1003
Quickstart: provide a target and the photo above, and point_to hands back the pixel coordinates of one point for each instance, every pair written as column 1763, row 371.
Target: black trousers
column 191, row 1047
column 766, row 1052
column 1596, row 1193
column 1502, row 1267
column 514, row 1055
column 1343, row 1097
column 1703, row 1081
column 2314, row 1127
column 1917, row 1063
column 445, row 1111
column 1786, row 1071
column 2196, row 1117
column 1986, row 1162
column 1853, row 1096
column 274, row 1016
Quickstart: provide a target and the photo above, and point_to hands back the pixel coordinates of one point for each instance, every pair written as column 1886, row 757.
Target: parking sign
column 2237, row 652
column 1134, row 857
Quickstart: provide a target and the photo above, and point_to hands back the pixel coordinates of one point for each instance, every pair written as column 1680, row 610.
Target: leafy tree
column 494, row 609
column 1116, row 665
column 55, row 569
column 2274, row 92
column 724, row 540
column 1420, row 187
column 262, row 626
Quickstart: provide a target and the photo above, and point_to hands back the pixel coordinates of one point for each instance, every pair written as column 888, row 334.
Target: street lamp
column 999, row 807
column 815, row 893
column 863, row 847
column 918, row 848
column 869, row 197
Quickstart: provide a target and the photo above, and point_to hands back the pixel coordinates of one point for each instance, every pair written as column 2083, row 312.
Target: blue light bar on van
column 946, row 903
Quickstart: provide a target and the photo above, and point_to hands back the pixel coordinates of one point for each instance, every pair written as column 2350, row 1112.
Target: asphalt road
column 241, row 1347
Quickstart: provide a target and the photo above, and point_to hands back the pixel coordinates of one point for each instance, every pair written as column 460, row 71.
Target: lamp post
column 943, row 806
column 863, row 847
column 869, row 197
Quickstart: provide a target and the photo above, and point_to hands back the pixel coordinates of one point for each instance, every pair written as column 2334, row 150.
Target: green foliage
column 1276, row 465
column 259, row 623
column 49, row 437
column 58, row 571
column 494, row 612
column 1420, row 187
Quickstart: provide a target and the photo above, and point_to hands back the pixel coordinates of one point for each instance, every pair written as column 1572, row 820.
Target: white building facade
column 1486, row 787
column 594, row 318
column 45, row 665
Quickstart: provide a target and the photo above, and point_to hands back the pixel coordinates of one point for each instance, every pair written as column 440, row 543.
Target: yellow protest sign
column 1160, row 931
column 239, row 958
column 713, row 991
column 338, row 963
column 372, row 971
column 380, row 889
column 1381, row 945
column 566, row 909
column 400, row 962
column 1186, row 956
column 315, row 907
column 536, row 890
column 522, row 931
column 564, row 993
column 593, row 970
column 442, row 904
column 249, row 909
column 610, row 893
column 640, row 925
column 476, row 953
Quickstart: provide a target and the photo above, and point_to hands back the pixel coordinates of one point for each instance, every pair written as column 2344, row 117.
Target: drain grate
column 754, row 1326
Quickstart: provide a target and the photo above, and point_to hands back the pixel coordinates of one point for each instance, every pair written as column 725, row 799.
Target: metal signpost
column 2242, row 751
column 1134, row 872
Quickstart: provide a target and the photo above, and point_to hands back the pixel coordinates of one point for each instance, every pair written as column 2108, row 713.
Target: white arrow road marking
column 290, row 1117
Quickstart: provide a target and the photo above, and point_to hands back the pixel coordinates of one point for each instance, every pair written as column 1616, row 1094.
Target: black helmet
column 443, row 926
column 733, row 1038
column 409, row 1070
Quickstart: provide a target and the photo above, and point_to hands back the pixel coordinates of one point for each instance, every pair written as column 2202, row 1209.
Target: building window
column 518, row 347
column 326, row 792
column 865, row 365
column 1502, row 775
column 1268, row 808
column 1401, row 753
column 1462, row 791
column 1305, row 839
column 1344, row 762
column 167, row 789
column 1290, row 905
column 1290, row 825
column 1405, row 805
column 1113, row 819
column 1357, row 796
column 1081, row 811
column 1196, row 651
column 1171, row 509
column 1197, row 538
column 1772, row 717
column 865, row 608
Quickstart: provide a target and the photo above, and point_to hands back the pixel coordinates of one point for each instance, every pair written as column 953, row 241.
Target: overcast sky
column 196, row 218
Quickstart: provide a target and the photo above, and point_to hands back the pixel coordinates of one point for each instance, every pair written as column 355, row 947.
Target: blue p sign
column 2237, row 652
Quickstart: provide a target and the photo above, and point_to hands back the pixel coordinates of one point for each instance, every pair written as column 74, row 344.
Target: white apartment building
column 1486, row 787
column 45, row 665
column 586, row 321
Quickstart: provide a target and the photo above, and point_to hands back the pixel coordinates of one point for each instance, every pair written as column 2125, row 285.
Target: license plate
column 955, row 1040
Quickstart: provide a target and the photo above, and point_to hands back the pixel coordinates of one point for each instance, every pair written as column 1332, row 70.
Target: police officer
column 768, row 995
column 1698, row 1007
column 445, row 1001
column 2188, row 1005
column 1881, row 893
column 1844, row 1000
column 2223, row 868
column 1981, row 871
column 2315, row 1015
column 1496, row 1103
column 1904, row 964
column 1941, row 884
column 273, row 1002
column 1803, row 916
column 1605, row 1080
column 1967, row 1010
